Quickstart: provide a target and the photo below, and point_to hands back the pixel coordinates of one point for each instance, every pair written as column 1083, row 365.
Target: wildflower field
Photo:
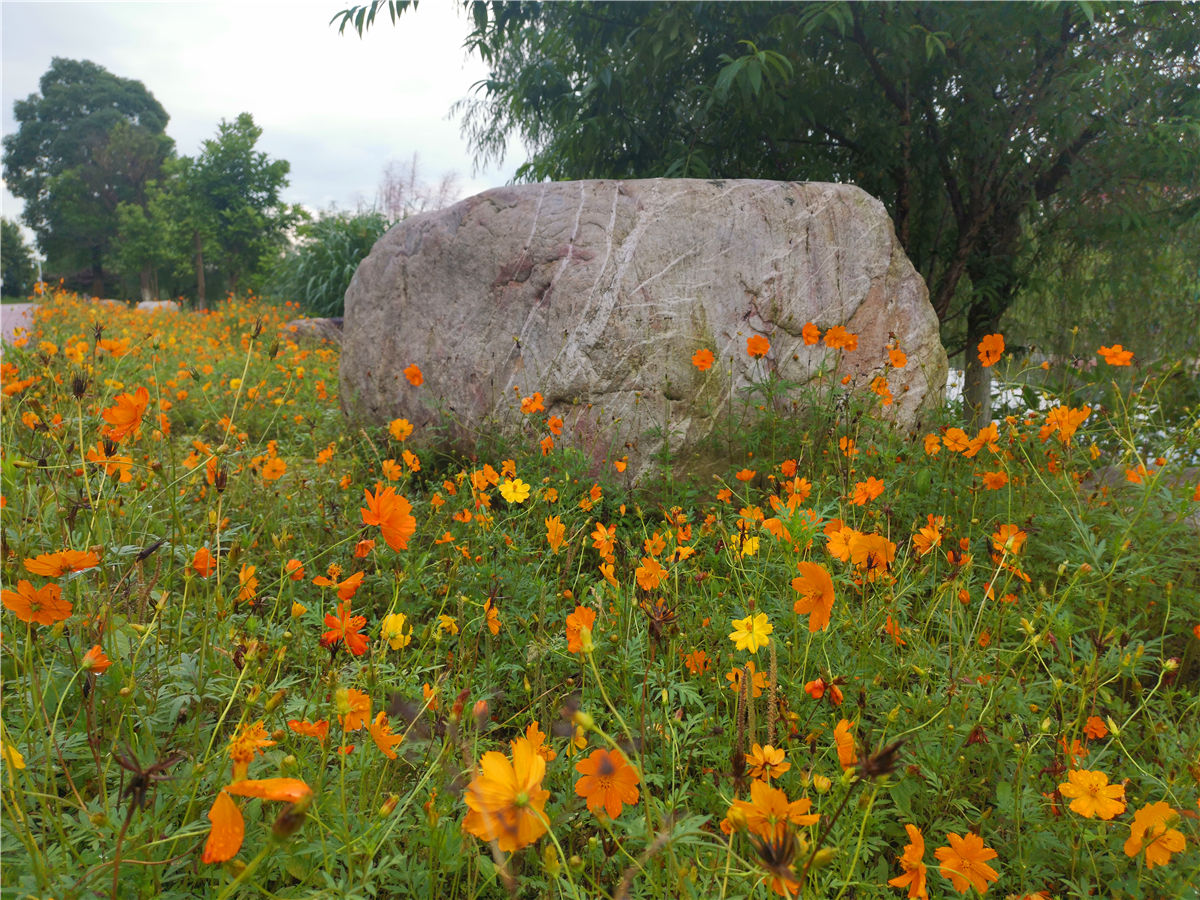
column 252, row 650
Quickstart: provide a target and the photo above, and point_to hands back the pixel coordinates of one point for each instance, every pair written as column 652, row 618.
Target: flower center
column 521, row 799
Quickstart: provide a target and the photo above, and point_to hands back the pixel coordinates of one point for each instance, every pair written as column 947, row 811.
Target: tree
column 403, row 193
column 236, row 206
column 978, row 125
column 16, row 257
column 87, row 143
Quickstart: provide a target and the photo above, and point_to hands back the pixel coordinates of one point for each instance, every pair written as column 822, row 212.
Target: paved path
column 14, row 316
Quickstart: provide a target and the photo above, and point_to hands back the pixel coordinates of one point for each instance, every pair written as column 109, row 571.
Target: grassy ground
column 285, row 657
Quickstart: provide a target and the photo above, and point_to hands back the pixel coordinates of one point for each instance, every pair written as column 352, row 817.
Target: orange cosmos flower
column 757, row 346
column 993, row 481
column 1150, row 831
column 506, row 801
column 838, row 337
column 811, row 334
column 768, row 812
column 844, row 741
column 581, row 618
column 1010, row 538
column 898, row 358
column 400, row 429
column 608, row 782
column 203, row 562
column 758, row 680
column 381, row 734
column 991, row 348
column 1063, row 421
column 650, row 573
column 392, row 513
column 354, row 708
column 38, row 606
column 533, row 404
column 819, row 688
column 554, row 533
column 345, row 628
column 913, row 864
column 248, row 582
column 294, row 569
column 866, row 491
column 815, row 587
column 873, row 554
column 248, row 740
column 766, row 762
column 414, row 376
column 346, row 589
column 1095, row 728
column 703, row 359
column 319, row 730
column 125, row 416
column 964, row 862
column 96, row 661
column 1116, row 355
column 54, row 565
column 114, row 464
column 274, row 469
column 1091, row 794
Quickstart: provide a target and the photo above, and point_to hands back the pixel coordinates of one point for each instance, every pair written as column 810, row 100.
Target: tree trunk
column 198, row 245
column 977, row 391
column 146, row 279
column 97, row 275
column 977, row 380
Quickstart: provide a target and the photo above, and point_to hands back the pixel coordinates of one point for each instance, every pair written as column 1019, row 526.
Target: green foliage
column 318, row 270
column 87, row 143
column 1004, row 666
column 16, row 256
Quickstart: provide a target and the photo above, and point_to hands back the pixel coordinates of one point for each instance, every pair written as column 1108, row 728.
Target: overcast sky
column 336, row 107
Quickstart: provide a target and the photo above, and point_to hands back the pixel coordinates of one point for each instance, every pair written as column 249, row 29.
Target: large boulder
column 597, row 293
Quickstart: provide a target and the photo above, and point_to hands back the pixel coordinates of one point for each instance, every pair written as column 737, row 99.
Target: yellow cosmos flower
column 751, row 632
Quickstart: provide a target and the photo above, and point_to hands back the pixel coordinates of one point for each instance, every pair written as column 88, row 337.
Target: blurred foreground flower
column 505, row 800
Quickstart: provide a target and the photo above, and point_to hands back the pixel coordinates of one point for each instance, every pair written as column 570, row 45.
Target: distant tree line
column 117, row 212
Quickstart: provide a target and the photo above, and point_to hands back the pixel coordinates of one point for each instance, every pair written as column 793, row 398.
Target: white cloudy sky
column 336, row 107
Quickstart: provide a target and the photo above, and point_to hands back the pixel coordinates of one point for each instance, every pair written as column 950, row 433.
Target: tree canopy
column 978, row 125
column 87, row 143
column 17, row 268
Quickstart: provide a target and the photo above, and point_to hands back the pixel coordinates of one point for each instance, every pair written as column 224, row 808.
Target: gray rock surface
column 317, row 331
column 597, row 293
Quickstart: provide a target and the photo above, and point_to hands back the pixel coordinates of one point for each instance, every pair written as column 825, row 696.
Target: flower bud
column 823, row 857
column 822, row 784
column 584, row 720
column 389, row 805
